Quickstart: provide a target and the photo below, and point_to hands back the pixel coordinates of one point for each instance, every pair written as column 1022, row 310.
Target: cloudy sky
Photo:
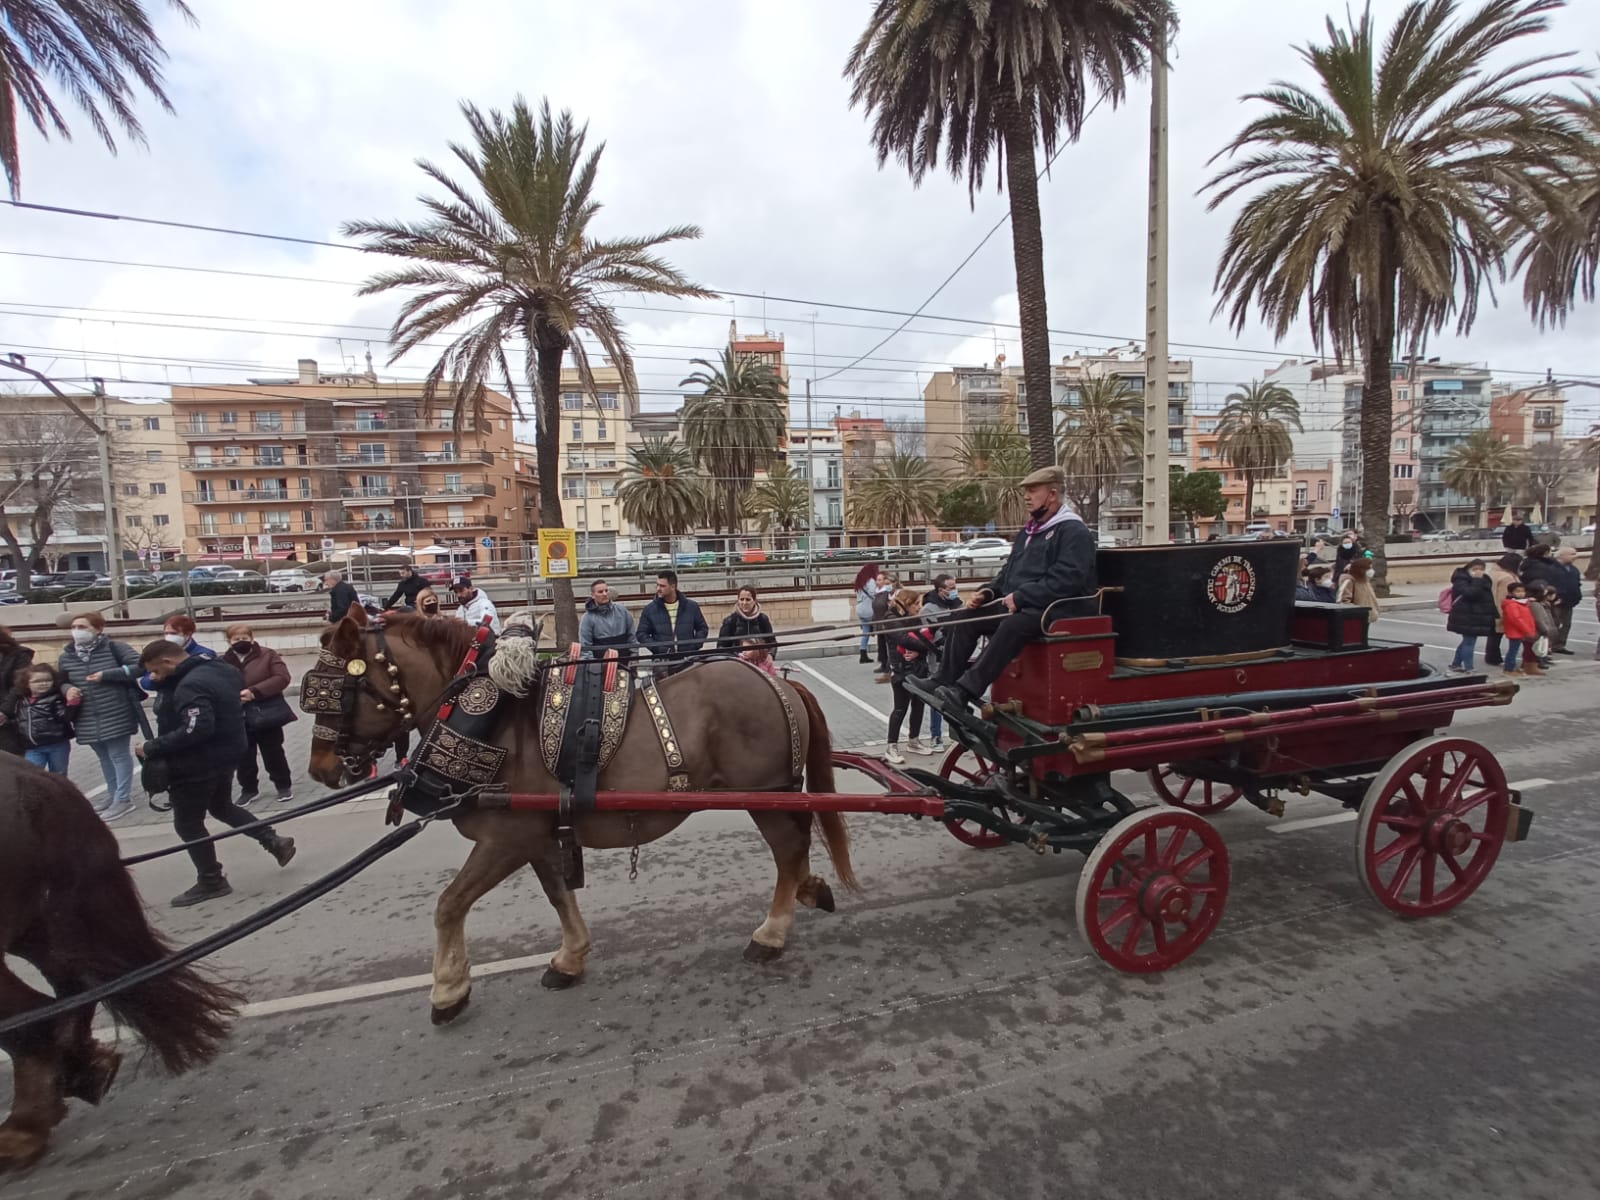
column 295, row 116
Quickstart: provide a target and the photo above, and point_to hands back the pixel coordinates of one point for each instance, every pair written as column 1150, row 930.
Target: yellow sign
column 557, row 553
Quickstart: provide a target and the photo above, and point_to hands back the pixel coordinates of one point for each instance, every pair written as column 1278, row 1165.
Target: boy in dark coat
column 1472, row 612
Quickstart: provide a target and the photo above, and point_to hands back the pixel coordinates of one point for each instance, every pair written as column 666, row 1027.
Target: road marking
column 834, row 687
column 1339, row 818
column 1523, row 785
column 99, row 791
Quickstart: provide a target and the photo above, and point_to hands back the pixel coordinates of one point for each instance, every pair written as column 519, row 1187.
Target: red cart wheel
column 973, row 772
column 1178, row 790
column 1431, row 826
column 1153, row 889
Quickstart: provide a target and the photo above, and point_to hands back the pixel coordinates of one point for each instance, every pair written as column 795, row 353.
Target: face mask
column 83, row 636
column 1039, row 514
column 242, row 648
column 430, row 609
column 177, row 639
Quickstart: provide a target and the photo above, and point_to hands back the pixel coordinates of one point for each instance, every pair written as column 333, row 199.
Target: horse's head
column 357, row 696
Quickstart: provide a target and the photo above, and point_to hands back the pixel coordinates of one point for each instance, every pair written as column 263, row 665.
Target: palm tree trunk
column 1027, row 251
column 1377, row 416
column 545, row 350
column 1249, row 498
column 1592, row 571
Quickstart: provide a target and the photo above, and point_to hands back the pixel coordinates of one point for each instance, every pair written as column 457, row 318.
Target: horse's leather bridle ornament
column 334, row 685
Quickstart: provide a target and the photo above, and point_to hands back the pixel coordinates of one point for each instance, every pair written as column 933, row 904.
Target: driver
column 1051, row 560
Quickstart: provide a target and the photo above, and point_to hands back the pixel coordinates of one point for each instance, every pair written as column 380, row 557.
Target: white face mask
column 177, row 639
column 83, row 636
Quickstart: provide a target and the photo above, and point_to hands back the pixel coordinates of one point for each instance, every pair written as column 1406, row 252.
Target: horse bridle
column 327, row 689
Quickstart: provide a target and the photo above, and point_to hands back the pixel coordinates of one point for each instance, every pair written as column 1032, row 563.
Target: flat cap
column 1047, row 477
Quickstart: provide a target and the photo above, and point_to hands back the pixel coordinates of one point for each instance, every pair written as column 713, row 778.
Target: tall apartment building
column 48, row 454
column 1436, row 406
column 277, row 467
column 820, row 449
column 956, row 400
column 595, row 436
column 864, row 443
column 1528, row 416
column 525, row 477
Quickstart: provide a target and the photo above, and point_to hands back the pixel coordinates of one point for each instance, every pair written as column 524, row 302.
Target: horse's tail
column 182, row 1015
column 819, row 778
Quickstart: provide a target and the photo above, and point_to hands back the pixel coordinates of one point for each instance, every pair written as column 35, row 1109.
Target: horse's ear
column 346, row 639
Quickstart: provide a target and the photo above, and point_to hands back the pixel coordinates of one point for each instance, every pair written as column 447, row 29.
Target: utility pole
column 811, row 460
column 1157, row 482
column 102, row 432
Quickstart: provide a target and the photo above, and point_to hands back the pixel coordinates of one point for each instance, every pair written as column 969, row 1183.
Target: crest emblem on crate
column 1231, row 585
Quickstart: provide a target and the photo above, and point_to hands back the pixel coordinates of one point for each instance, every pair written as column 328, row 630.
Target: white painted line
column 1340, row 818
column 834, row 687
column 99, row 791
column 1523, row 785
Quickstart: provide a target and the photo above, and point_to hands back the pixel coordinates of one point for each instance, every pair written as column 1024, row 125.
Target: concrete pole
column 1157, row 483
column 811, row 481
column 119, row 589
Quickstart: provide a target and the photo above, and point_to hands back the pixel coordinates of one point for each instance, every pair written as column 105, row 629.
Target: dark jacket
column 1343, row 556
column 1569, row 584
column 1516, row 537
column 45, row 721
column 1541, row 569
column 911, row 644
column 656, row 633
column 110, row 707
column 339, row 601
column 932, row 599
column 12, row 661
column 406, row 590
column 1318, row 595
column 265, row 673
column 1472, row 608
column 201, row 723
column 1053, row 563
column 736, row 628
column 148, row 683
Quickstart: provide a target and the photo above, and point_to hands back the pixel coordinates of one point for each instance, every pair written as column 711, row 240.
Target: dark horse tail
column 99, row 933
column 819, row 778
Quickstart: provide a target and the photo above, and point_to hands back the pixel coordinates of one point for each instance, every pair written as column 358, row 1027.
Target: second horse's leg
column 789, row 836
column 568, row 963
column 490, row 862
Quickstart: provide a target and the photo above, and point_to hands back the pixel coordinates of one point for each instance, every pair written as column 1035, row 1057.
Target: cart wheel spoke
column 1475, row 801
column 1174, row 847
column 1455, row 867
column 1198, row 858
column 1399, row 845
column 1130, row 943
column 1430, row 864
column 1410, row 824
column 1402, row 876
column 1126, row 912
column 1186, row 787
column 1158, row 928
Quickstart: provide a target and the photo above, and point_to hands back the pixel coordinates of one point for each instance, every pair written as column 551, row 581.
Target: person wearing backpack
column 1470, row 602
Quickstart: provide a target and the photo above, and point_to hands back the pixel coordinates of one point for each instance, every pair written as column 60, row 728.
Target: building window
column 156, row 489
column 124, row 425
column 577, row 431
column 1322, row 489
column 572, row 487
column 162, row 519
column 152, row 456
column 1300, row 494
column 605, row 516
column 208, row 522
column 267, row 421
column 1205, row 453
column 238, row 518
column 600, row 430
column 1175, row 445
column 130, row 489
column 230, row 418
column 1400, row 444
column 372, row 452
column 606, row 400
column 1404, row 471
column 449, row 452
column 456, row 516
column 371, row 422
column 232, row 453
column 270, row 456
column 452, row 482
column 152, row 422
column 134, row 522
column 505, row 483
column 608, row 487
column 572, row 401
column 833, row 473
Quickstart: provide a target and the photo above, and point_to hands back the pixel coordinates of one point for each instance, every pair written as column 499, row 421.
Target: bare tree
column 1549, row 465
column 910, row 436
column 48, row 465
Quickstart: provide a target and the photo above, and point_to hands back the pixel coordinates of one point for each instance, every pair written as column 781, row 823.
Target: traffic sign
column 555, row 553
column 327, row 545
column 1335, row 513
column 264, row 545
column 488, row 543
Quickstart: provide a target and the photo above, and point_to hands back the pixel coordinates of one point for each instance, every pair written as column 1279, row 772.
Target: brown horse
column 734, row 731
column 68, row 906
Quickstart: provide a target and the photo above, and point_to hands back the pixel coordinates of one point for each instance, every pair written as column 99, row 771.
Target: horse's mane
column 433, row 633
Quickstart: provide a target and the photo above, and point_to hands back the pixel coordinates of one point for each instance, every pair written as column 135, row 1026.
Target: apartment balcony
column 255, row 495
column 397, row 425
column 457, row 492
column 218, row 462
column 1545, row 421
column 248, row 428
column 370, row 494
column 420, row 458
column 252, row 527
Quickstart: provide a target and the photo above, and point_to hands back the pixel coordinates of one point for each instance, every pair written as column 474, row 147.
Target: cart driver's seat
column 1060, row 672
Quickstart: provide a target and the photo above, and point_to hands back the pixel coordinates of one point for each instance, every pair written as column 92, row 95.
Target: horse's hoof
column 93, row 1082
column 756, row 952
column 824, row 897
column 557, row 981
column 443, row 1016
column 21, row 1148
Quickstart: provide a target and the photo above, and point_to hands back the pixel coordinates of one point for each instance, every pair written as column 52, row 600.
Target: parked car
column 12, row 598
column 235, row 575
column 1438, row 535
column 291, row 580
column 989, row 551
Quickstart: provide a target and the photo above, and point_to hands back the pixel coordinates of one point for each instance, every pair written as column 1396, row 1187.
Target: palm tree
column 734, row 426
column 1096, row 437
column 781, row 501
column 1562, row 255
column 662, row 494
column 96, row 50
column 1253, row 434
column 1388, row 190
column 996, row 459
column 902, row 492
column 986, row 78
column 513, row 252
column 1482, row 467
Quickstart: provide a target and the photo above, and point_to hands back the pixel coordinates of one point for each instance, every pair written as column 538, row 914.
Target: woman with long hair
column 866, row 586
column 1356, row 586
column 911, row 645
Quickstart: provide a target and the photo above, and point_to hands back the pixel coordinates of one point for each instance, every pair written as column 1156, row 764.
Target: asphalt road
column 946, row 1034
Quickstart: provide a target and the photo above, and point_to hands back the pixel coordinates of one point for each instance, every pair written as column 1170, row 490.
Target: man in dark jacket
column 200, row 738
column 1052, row 560
column 340, row 597
column 605, row 623
column 1568, row 582
column 1517, row 535
column 671, row 624
column 405, row 592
